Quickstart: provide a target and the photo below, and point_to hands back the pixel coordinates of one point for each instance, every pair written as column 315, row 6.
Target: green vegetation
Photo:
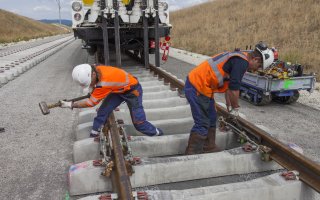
column 17, row 28
column 292, row 26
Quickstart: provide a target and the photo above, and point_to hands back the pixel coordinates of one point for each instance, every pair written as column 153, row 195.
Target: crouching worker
column 113, row 86
column 220, row 74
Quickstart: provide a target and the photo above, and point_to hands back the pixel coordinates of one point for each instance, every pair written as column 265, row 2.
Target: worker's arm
column 71, row 105
column 235, row 67
column 232, row 99
column 96, row 96
column 80, row 104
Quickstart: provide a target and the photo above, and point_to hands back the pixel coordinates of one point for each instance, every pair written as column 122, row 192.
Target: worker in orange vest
column 220, row 74
column 114, row 86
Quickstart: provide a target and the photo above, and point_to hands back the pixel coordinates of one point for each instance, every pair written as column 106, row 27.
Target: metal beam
column 117, row 33
column 105, row 41
column 156, row 33
column 145, row 35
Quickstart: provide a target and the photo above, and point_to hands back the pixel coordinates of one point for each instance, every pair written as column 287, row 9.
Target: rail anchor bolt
column 265, row 153
column 290, row 175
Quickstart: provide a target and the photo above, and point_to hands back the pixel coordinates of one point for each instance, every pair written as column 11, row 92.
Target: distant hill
column 56, row 21
column 291, row 26
column 16, row 28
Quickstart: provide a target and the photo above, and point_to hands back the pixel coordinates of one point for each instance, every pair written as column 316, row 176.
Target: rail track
column 120, row 166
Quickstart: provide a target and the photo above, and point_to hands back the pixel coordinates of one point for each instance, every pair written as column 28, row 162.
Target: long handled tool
column 45, row 108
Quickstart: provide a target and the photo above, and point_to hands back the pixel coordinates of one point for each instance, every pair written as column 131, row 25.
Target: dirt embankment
column 16, row 28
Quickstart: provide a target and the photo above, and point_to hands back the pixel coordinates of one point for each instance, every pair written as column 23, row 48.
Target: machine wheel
column 136, row 52
column 289, row 100
column 265, row 99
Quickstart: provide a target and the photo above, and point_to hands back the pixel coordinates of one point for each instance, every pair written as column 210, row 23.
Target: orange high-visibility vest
column 111, row 80
column 208, row 77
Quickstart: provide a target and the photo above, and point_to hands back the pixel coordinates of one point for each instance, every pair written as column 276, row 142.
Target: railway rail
column 134, row 162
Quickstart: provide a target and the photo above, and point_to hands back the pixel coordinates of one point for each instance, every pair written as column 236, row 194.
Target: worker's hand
column 66, row 104
column 234, row 112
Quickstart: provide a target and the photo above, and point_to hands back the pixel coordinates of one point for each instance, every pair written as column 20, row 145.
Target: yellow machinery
column 126, row 2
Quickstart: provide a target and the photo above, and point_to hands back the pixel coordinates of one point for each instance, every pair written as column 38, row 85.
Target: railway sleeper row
column 161, row 159
column 13, row 66
column 6, row 51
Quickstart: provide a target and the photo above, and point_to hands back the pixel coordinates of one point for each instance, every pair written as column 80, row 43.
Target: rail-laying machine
column 121, row 25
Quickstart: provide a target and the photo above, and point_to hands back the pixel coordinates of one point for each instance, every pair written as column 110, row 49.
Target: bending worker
column 220, row 74
column 115, row 86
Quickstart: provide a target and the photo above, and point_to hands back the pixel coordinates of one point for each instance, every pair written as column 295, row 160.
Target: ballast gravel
column 36, row 150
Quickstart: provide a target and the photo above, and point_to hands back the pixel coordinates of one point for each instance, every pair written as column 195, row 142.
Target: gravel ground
column 296, row 123
column 36, row 150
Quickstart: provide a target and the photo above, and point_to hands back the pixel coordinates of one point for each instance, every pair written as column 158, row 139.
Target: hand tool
column 45, row 108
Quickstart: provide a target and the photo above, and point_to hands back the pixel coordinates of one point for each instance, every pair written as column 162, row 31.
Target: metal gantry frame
column 145, row 51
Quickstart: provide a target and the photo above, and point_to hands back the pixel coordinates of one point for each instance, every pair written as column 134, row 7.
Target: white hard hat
column 267, row 54
column 82, row 75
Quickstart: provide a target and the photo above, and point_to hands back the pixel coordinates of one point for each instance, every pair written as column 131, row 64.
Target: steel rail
column 120, row 178
column 309, row 171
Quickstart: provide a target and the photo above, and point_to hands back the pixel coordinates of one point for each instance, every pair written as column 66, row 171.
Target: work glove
column 234, row 112
column 66, row 104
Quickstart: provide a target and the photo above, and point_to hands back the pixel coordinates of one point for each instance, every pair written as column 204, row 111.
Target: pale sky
column 48, row 9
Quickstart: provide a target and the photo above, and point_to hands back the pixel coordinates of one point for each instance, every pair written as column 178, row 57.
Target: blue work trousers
column 203, row 110
column 133, row 98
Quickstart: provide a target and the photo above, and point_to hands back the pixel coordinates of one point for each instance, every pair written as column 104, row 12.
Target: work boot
column 159, row 132
column 195, row 144
column 94, row 133
column 210, row 143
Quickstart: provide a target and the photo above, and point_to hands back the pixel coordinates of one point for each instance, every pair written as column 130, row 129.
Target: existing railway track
column 135, row 163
